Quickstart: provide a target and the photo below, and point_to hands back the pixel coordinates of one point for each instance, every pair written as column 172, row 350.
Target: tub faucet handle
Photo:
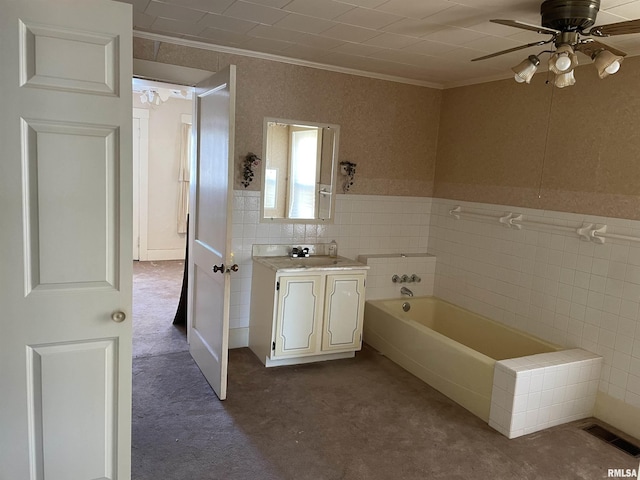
column 395, row 279
column 415, row 278
column 404, row 278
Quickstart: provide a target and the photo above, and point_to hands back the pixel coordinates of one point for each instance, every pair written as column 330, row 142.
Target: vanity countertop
column 308, row 264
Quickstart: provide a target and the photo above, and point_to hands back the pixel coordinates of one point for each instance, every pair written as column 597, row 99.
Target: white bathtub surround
column 551, row 284
column 363, row 224
column 384, row 266
column 540, row 391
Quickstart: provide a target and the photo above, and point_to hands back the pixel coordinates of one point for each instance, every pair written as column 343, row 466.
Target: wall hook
column 509, row 219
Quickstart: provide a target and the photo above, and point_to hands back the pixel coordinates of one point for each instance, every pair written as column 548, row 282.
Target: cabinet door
column 298, row 315
column 343, row 312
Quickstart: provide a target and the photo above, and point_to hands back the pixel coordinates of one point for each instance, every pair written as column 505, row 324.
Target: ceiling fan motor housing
column 569, row 15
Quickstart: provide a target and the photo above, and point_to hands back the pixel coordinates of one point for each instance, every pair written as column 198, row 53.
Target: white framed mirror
column 298, row 171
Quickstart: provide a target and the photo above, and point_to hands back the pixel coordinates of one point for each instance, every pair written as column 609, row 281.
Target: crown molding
column 278, row 58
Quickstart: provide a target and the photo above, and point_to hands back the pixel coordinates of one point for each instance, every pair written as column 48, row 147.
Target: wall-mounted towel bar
column 590, row 232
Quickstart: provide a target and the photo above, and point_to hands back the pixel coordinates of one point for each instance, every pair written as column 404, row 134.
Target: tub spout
column 406, row 291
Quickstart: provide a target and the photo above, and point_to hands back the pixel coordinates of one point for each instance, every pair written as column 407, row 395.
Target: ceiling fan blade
column 589, row 47
column 620, row 28
column 514, row 49
column 526, row 26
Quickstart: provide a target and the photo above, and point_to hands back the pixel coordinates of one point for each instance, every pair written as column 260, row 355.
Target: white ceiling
column 425, row 41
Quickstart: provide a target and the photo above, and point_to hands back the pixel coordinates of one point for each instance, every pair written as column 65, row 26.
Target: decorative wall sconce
column 348, row 169
column 251, row 160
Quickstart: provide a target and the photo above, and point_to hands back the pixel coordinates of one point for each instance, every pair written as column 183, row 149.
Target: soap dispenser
column 333, row 249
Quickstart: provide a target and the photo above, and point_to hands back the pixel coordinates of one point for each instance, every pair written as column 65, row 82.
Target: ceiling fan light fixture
column 525, row 70
column 565, row 79
column 563, row 59
column 606, row 63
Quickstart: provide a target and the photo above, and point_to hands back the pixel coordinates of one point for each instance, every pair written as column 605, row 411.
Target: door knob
column 217, row 269
column 233, row 268
column 118, row 317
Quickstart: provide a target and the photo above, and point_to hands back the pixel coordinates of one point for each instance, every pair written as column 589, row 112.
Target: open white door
column 210, row 261
column 65, row 237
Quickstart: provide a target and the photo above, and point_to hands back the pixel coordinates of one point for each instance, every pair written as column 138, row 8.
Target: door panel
column 68, row 58
column 211, row 198
column 299, row 314
column 65, row 231
column 65, row 166
column 344, row 312
column 66, row 421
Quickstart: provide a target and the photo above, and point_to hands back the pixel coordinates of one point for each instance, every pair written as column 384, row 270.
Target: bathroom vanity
column 306, row 309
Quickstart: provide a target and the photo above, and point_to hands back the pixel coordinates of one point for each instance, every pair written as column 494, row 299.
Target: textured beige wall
column 388, row 129
column 575, row 149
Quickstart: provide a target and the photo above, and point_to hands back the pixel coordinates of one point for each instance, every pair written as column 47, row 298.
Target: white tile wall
column 384, row 267
column 550, row 284
column 540, row 391
column 363, row 224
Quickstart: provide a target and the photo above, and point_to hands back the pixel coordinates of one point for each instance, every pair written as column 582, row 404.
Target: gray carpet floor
column 362, row 418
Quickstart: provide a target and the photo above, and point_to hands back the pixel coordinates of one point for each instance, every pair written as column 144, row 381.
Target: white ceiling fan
column 570, row 25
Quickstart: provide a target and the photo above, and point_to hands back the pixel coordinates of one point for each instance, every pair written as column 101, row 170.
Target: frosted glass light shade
column 606, row 63
column 565, row 80
column 563, row 60
column 613, row 68
column 525, row 69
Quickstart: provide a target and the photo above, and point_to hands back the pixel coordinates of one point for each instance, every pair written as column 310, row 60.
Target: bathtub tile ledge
column 543, row 390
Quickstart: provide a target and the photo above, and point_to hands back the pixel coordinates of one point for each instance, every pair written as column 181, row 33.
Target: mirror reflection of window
column 299, row 162
column 270, row 188
column 302, row 184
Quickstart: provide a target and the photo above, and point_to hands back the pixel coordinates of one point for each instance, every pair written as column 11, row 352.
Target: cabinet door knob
column 233, row 268
column 118, row 317
column 217, row 269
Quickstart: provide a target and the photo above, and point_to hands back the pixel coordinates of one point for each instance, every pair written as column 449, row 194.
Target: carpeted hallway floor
column 362, row 418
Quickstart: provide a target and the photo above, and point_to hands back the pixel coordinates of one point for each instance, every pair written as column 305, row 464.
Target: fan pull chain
column 546, row 139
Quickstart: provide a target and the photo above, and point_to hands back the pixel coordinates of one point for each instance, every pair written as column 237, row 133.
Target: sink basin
column 316, row 261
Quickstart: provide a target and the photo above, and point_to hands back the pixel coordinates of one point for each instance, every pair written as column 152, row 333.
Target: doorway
column 162, row 119
column 161, row 140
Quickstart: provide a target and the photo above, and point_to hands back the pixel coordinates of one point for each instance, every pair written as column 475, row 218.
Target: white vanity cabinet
column 306, row 315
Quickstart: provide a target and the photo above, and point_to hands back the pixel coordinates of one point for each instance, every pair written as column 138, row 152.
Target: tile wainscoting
column 364, row 224
column 574, row 293
column 551, row 284
column 383, row 267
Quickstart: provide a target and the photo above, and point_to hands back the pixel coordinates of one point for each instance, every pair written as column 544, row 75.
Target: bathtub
column 448, row 347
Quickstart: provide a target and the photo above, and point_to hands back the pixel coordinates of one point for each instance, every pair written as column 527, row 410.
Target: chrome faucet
column 406, row 291
column 299, row 252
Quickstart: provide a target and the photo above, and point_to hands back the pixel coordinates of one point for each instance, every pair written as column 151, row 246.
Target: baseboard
column 238, row 337
column 621, row 415
column 171, row 254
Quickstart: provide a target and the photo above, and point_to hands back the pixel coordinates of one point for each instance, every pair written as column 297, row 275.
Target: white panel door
column 65, row 237
column 210, row 260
